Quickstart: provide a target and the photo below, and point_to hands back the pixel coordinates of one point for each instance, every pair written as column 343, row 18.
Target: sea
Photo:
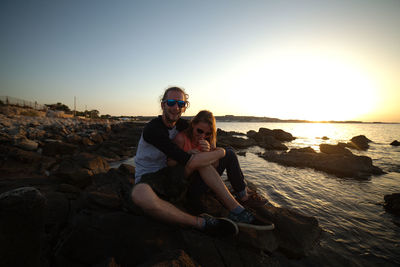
column 357, row 231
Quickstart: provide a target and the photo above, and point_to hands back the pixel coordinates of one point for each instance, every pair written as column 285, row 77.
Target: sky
column 312, row 60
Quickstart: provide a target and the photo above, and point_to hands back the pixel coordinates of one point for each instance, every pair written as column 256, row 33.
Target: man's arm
column 203, row 159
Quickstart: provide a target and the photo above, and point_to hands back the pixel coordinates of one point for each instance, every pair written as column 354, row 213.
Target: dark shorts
column 168, row 183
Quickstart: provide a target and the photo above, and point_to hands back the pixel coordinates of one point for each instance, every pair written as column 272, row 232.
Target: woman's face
column 201, row 131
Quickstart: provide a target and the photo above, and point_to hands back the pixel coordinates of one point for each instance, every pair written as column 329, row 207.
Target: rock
column 395, row 143
column 337, row 164
column 21, row 227
column 74, row 138
column 334, row 149
column 26, row 144
column 235, row 142
column 127, row 169
column 283, row 136
column 78, row 170
column 176, row 257
column 304, row 150
column 392, row 203
column 87, row 142
column 360, row 142
column 296, row 234
column 269, row 142
column 96, row 137
column 325, row 138
column 59, row 148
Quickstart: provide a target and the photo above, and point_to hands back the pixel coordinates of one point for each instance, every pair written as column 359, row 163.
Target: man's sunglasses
column 172, row 102
column 200, row 131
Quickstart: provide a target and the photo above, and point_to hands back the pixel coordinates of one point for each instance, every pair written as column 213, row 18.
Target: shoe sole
column 256, row 227
column 229, row 221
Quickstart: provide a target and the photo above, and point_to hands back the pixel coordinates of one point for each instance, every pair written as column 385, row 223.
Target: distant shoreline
column 232, row 118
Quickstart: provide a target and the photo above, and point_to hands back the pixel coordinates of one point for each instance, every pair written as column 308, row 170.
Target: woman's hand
column 204, row 145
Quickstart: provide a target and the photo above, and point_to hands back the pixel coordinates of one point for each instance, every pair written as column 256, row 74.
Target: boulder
column 334, row 149
column 360, row 142
column 21, row 227
column 395, row 143
column 26, row 144
column 337, row 164
column 392, row 203
column 59, row 148
column 78, row 170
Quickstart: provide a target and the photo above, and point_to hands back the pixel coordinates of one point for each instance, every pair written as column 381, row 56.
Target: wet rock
column 235, row 142
column 334, row 149
column 304, row 150
column 337, row 164
column 395, row 143
column 360, row 142
column 296, row 234
column 392, row 203
column 21, row 227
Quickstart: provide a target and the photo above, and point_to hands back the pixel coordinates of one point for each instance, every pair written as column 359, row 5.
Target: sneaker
column 254, row 201
column 219, row 226
column 246, row 219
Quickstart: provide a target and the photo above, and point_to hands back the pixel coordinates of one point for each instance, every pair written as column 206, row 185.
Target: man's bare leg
column 211, row 177
column 144, row 197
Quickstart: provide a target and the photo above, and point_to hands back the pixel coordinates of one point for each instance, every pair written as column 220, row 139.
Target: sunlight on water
column 357, row 230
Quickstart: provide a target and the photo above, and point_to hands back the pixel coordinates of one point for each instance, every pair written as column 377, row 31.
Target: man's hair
column 207, row 117
column 176, row 89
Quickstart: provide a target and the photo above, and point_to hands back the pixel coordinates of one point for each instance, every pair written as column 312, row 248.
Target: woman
column 201, row 136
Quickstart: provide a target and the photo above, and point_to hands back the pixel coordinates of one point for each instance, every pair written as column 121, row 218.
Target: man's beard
column 169, row 119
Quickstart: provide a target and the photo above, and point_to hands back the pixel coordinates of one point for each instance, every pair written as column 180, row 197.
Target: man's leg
column 213, row 180
column 144, row 197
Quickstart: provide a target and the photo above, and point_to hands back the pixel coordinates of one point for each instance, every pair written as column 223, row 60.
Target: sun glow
column 304, row 86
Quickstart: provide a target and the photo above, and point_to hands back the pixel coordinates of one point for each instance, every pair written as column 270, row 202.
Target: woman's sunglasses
column 172, row 102
column 200, row 131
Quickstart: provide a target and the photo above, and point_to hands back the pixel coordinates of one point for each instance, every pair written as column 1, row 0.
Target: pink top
column 188, row 145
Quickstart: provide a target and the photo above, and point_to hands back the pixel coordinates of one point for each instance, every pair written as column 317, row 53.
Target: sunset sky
column 314, row 60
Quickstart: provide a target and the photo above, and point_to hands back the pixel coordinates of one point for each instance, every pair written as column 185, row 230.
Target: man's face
column 172, row 114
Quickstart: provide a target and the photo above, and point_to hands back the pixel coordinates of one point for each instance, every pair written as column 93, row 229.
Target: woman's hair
column 207, row 117
column 177, row 89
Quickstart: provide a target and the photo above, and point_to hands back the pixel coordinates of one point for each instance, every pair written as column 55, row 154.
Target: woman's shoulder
column 180, row 139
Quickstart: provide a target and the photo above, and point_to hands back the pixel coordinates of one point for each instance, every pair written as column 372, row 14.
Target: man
column 159, row 186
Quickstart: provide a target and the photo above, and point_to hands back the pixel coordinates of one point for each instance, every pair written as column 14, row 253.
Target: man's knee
column 140, row 193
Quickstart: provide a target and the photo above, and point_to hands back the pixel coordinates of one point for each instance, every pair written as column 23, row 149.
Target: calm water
column 357, row 230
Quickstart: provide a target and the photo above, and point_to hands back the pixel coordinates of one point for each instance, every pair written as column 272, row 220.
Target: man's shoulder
column 155, row 123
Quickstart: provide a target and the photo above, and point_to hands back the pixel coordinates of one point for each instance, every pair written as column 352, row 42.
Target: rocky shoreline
column 62, row 205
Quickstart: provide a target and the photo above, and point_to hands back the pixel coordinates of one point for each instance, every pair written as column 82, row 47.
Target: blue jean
column 230, row 163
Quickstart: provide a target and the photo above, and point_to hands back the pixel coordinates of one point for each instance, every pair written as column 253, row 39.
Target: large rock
column 59, row 148
column 334, row 149
column 395, row 143
column 270, row 139
column 337, row 164
column 296, row 233
column 21, row 227
column 360, row 142
column 78, row 170
column 392, row 203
